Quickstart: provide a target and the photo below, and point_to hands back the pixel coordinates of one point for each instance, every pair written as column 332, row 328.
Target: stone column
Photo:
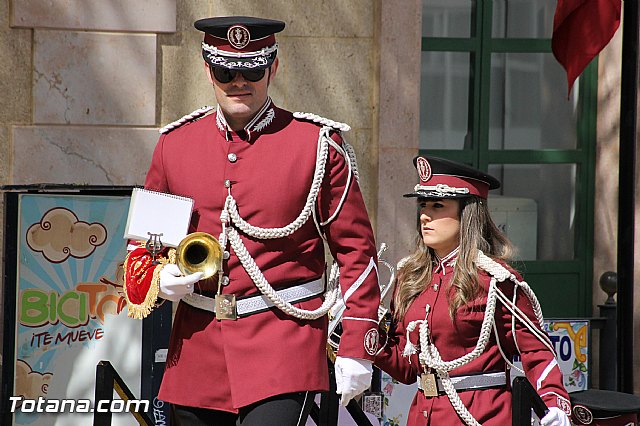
column 399, row 40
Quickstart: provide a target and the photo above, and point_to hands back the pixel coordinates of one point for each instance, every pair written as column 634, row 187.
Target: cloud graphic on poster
column 60, row 234
column 31, row 384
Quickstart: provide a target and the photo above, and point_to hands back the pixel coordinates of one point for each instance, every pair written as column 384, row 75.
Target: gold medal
column 226, row 307
column 429, row 385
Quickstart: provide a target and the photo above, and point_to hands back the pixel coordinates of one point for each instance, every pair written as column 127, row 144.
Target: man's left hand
column 353, row 376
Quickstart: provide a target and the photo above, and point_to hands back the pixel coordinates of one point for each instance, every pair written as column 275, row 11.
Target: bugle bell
column 199, row 252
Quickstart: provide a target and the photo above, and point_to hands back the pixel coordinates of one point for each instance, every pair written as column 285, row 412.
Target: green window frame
column 571, row 279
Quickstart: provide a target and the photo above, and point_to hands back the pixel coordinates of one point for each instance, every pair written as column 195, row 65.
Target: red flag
column 581, row 29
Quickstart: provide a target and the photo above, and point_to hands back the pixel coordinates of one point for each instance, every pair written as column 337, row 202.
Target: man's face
column 241, row 99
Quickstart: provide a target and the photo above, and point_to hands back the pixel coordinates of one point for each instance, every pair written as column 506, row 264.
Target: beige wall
column 398, row 123
column 607, row 157
column 120, row 78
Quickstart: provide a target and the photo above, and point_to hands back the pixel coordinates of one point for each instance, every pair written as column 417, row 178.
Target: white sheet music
column 158, row 213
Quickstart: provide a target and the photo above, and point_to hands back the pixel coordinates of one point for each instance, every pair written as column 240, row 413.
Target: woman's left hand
column 555, row 417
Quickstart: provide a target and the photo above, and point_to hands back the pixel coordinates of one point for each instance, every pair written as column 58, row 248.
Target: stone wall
column 94, row 80
column 398, row 124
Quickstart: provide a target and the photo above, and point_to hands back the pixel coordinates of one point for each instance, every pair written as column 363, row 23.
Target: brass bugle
column 199, row 252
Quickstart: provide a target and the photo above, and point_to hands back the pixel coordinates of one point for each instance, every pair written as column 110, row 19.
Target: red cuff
column 360, row 338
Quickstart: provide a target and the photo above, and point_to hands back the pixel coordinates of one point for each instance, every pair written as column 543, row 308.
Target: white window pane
column 523, row 18
column 444, row 100
column 535, row 206
column 447, row 18
column 528, row 104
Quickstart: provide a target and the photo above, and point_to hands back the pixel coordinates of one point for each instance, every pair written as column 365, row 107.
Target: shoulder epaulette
column 343, row 127
column 186, row 119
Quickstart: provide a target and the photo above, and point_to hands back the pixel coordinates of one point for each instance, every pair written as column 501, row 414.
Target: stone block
column 398, row 42
column 189, row 11
column 15, row 76
column 4, row 15
column 149, row 16
column 185, row 86
column 5, row 155
column 396, row 215
column 367, row 156
column 94, row 79
column 330, row 77
column 311, row 18
column 82, row 155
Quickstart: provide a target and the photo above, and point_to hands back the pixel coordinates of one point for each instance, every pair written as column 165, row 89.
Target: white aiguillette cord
column 230, row 218
column 430, row 356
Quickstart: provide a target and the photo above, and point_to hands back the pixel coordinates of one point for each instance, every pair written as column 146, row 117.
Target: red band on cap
column 475, row 187
column 251, row 46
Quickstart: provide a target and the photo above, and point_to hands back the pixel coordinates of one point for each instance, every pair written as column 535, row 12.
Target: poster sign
column 397, row 400
column 570, row 340
column 70, row 309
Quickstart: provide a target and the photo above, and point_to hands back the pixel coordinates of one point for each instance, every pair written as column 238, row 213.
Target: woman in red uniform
column 460, row 313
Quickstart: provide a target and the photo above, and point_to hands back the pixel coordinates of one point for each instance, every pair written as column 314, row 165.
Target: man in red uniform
column 273, row 185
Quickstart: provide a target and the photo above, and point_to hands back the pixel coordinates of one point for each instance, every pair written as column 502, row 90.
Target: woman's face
column 440, row 224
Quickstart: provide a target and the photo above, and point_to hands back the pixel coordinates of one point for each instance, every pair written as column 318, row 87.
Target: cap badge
column 238, row 36
column 424, row 169
column 583, row 414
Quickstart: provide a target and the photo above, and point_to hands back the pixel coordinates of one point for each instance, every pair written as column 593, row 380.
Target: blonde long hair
column 477, row 232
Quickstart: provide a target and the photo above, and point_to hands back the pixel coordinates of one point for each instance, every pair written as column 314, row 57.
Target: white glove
column 353, row 376
column 555, row 417
column 173, row 285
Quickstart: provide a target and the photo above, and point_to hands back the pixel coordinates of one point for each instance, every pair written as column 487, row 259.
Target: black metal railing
column 108, row 380
column 524, row 399
column 327, row 413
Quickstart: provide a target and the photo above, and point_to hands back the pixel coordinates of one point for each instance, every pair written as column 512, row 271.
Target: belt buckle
column 429, row 385
column 226, row 307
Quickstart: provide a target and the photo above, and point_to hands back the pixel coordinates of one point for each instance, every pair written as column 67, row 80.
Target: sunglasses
column 224, row 75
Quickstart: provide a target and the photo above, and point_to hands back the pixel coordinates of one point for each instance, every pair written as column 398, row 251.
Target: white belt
column 475, row 381
column 254, row 304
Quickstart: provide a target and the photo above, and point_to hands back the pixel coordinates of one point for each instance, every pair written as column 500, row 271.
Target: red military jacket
column 269, row 168
column 488, row 406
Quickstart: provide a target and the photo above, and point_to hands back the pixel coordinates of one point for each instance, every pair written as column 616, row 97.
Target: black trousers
column 291, row 409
